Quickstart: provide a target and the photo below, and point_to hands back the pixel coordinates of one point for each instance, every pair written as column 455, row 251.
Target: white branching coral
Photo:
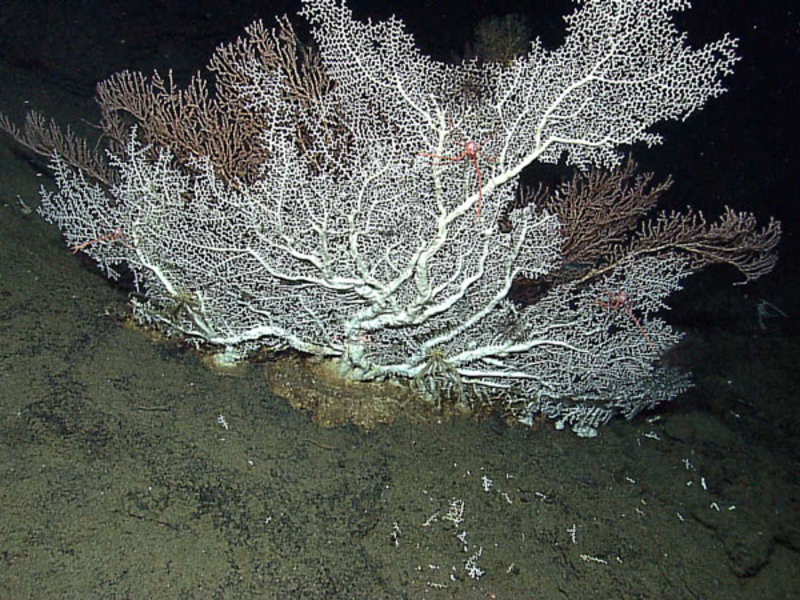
column 369, row 231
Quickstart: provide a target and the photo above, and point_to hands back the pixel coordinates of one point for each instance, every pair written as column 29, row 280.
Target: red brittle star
column 114, row 235
column 621, row 299
column 471, row 150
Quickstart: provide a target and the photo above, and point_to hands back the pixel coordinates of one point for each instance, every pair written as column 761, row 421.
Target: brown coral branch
column 601, row 216
column 46, row 138
column 733, row 239
column 599, row 209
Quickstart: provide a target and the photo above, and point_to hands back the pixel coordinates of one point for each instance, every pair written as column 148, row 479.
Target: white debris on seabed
column 471, row 566
column 455, row 514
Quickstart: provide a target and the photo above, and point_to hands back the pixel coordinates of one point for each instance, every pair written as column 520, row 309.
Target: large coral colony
column 357, row 201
